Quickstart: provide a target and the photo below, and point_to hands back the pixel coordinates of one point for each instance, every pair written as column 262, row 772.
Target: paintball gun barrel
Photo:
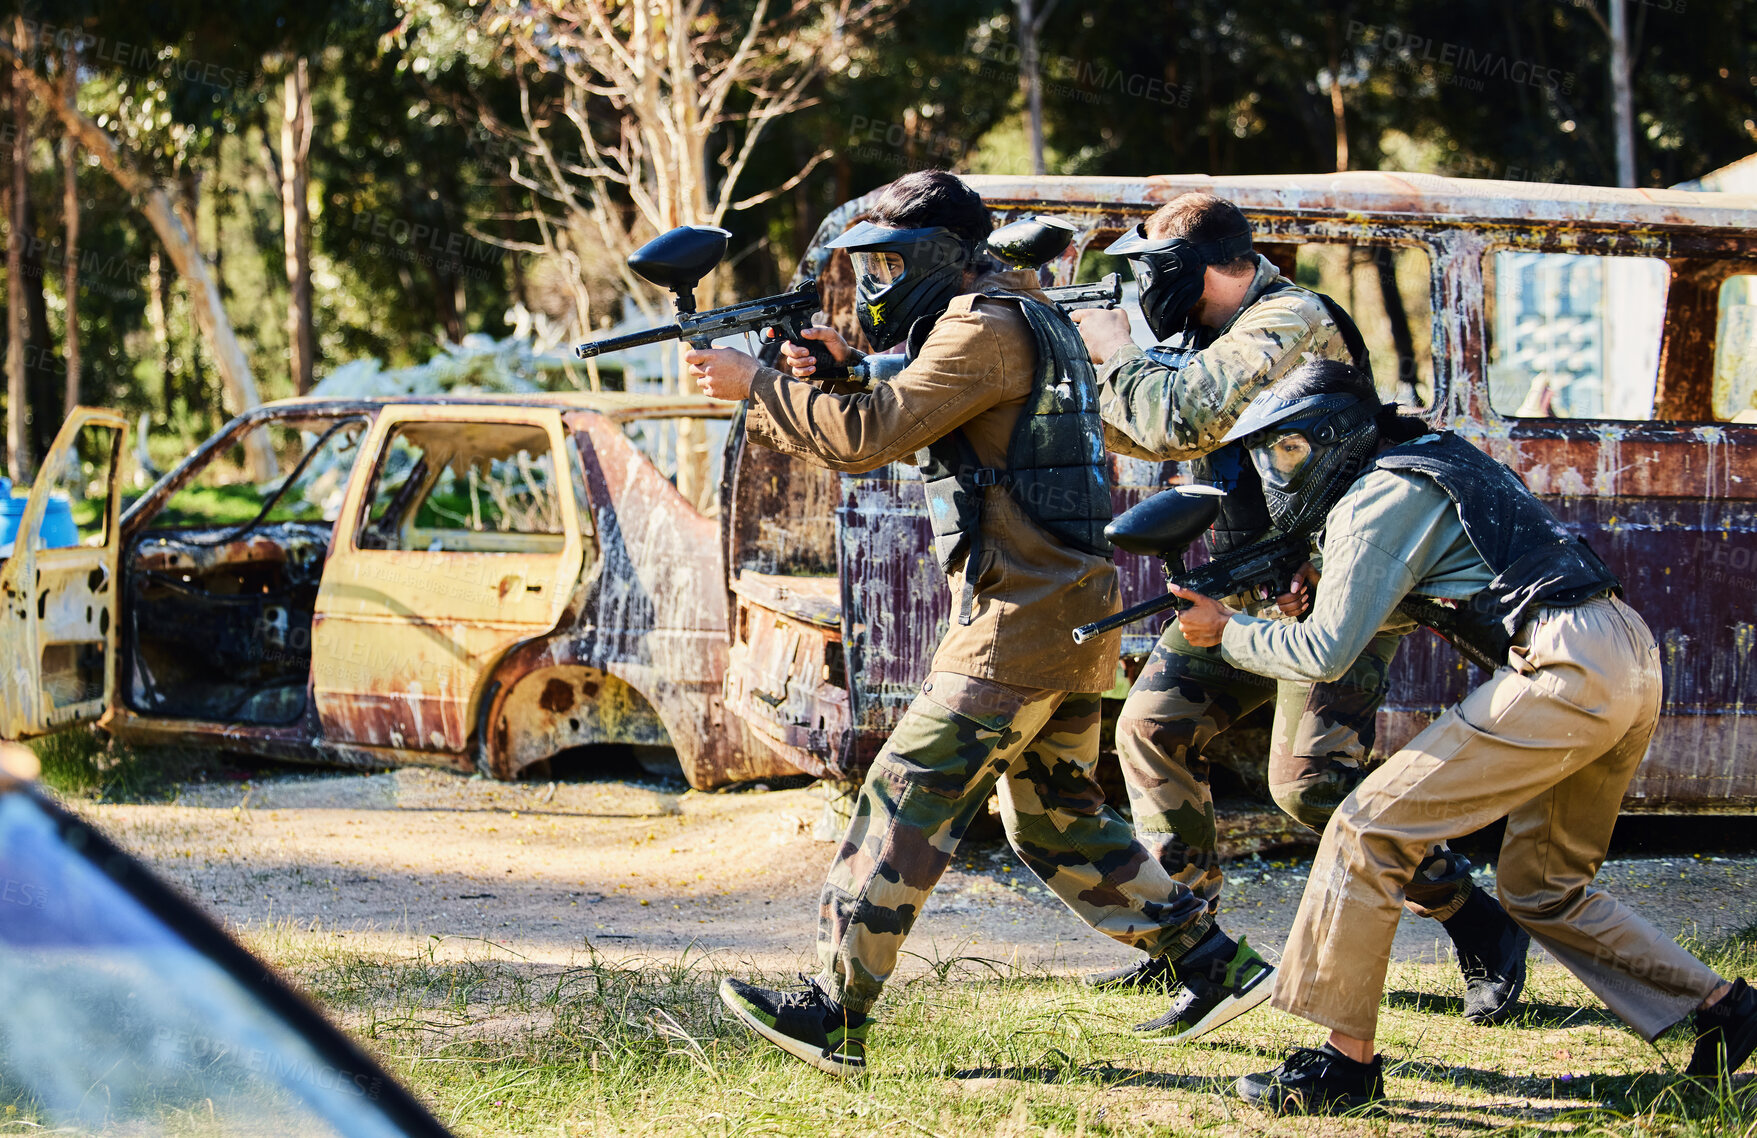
column 1166, row 524
column 678, row 260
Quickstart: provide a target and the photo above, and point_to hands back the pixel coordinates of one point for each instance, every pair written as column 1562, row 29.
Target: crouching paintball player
column 998, row 405
column 1233, row 325
column 1422, row 525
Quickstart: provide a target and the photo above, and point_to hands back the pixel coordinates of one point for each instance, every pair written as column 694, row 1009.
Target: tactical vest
column 1057, row 470
column 1244, row 514
column 1535, row 561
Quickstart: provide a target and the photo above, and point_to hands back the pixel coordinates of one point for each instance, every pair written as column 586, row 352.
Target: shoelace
column 1304, row 1058
column 808, row 996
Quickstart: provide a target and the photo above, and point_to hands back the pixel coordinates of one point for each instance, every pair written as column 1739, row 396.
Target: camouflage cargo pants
column 1323, row 734
column 959, row 737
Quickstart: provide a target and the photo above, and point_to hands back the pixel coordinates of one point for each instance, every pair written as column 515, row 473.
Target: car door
column 458, row 539
column 58, row 586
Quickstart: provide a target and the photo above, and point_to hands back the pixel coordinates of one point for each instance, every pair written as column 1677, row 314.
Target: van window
column 1574, row 335
column 1735, row 351
column 1386, row 289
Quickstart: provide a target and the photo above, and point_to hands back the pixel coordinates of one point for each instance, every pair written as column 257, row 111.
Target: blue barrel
column 57, row 529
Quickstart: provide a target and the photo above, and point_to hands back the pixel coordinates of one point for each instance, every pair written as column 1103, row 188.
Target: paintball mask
column 1169, row 271
column 901, row 276
column 1308, row 451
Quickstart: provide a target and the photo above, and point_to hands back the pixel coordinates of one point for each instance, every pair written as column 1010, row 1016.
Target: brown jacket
column 974, row 372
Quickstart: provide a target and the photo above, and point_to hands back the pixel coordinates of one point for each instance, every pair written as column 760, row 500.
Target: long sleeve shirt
column 1392, row 534
column 973, row 374
column 1154, row 411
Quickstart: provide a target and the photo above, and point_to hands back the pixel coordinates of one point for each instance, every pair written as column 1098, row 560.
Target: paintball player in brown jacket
column 1237, row 325
column 997, row 404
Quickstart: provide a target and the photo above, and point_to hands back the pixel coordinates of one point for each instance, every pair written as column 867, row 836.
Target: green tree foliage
column 407, row 185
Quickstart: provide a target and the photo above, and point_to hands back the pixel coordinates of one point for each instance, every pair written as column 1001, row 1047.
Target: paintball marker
column 1032, row 242
column 680, row 258
column 1166, row 524
column 1107, row 293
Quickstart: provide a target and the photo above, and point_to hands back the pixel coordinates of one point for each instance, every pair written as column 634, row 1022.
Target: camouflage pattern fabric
column 1322, row 737
column 959, row 738
column 1153, row 412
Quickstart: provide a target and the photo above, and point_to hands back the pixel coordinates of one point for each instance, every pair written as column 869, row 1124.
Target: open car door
column 58, row 585
column 460, row 538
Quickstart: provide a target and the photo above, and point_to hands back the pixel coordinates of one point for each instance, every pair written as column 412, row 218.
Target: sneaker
column 1220, row 983
column 1491, row 951
column 1152, row 974
column 1315, row 1080
column 806, row 1024
column 1726, row 1034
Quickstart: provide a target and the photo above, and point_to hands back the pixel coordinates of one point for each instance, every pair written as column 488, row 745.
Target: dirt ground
column 650, row 870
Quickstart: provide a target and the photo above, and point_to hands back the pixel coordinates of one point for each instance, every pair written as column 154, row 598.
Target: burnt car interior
column 222, row 582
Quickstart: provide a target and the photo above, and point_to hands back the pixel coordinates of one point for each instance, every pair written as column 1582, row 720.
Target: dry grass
column 501, row 1046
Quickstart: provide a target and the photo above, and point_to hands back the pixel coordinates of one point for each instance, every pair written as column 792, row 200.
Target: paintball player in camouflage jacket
column 1239, row 326
column 999, row 405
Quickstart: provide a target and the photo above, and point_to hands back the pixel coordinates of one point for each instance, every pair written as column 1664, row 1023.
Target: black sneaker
column 1726, row 1034
column 1491, row 951
column 806, row 1024
column 1222, row 980
column 1315, row 1080
column 1152, row 974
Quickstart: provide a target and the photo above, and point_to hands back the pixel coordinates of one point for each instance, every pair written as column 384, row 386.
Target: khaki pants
column 959, row 738
column 1319, row 752
column 1549, row 742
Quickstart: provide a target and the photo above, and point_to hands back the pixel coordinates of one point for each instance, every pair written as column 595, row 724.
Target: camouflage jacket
column 1152, row 411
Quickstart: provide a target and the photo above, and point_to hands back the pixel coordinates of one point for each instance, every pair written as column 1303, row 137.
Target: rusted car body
column 837, row 601
column 484, row 583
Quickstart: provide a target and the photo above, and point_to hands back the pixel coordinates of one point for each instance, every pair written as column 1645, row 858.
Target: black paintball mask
column 1169, row 271
column 902, row 275
column 1308, row 451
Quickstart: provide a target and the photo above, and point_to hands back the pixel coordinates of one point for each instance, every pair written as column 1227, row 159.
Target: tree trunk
column 1338, row 109
column 204, row 296
column 70, row 268
column 296, row 220
column 1622, row 99
column 1402, row 340
column 1031, row 75
column 41, row 364
column 18, row 455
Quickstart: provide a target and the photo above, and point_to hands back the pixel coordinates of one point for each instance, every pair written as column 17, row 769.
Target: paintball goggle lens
column 1280, row 456
column 877, row 270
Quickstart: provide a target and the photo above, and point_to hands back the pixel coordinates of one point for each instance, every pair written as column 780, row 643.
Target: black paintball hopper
column 1031, row 241
column 1168, row 522
column 678, row 258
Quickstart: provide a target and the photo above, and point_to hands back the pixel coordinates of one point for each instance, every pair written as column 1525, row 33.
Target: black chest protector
column 1056, row 468
column 1244, row 514
column 1535, row 561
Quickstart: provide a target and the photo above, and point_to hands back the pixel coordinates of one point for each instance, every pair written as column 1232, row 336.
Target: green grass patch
column 84, row 763
column 499, row 1045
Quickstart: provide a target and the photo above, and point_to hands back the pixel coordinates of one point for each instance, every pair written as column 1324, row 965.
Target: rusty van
column 1601, row 342
column 483, row 583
